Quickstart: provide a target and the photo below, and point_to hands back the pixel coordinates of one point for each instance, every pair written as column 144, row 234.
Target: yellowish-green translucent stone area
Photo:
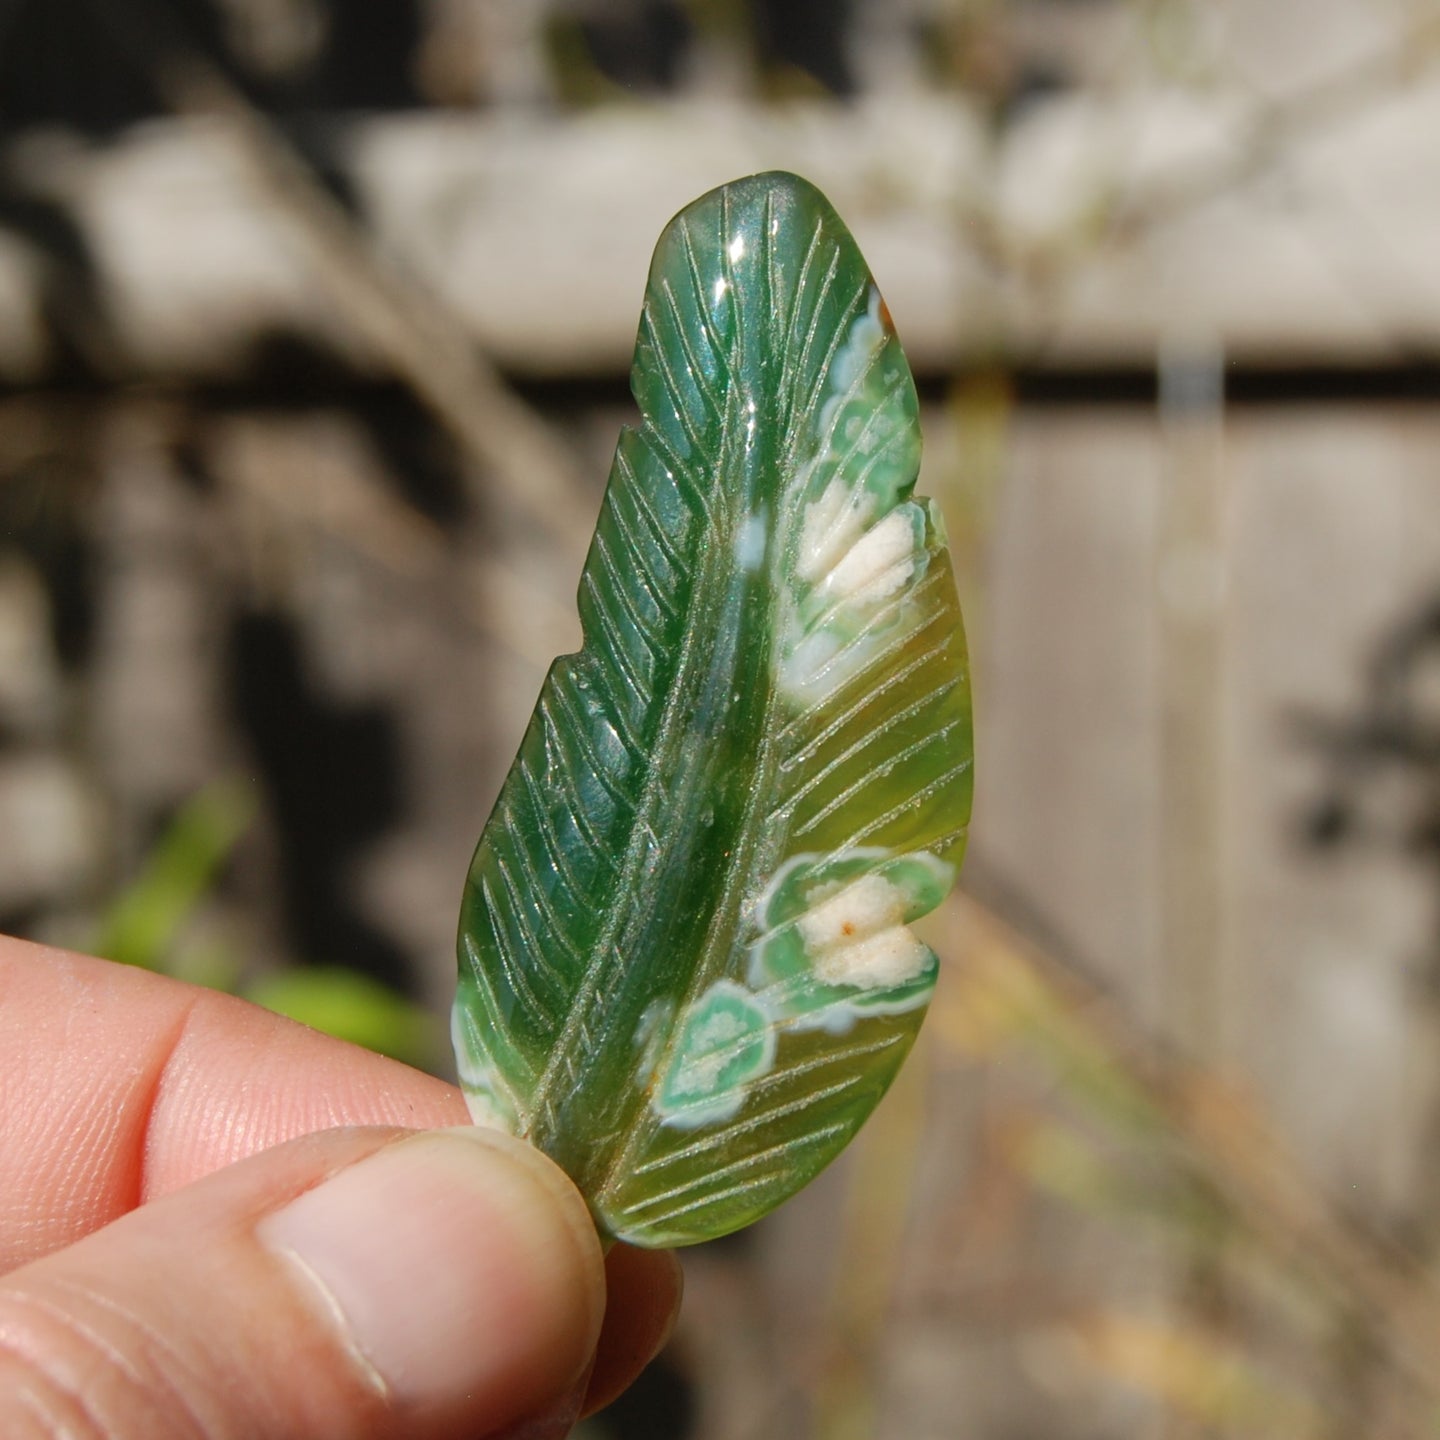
column 687, row 968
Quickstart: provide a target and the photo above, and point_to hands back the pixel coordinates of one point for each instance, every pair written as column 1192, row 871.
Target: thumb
column 353, row 1283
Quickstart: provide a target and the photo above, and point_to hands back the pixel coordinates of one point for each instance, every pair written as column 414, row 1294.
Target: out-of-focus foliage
column 146, row 925
column 143, row 925
column 352, row 1007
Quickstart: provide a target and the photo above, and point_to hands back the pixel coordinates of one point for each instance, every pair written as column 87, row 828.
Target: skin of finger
column 164, row 1323
column 644, row 1288
column 118, row 1086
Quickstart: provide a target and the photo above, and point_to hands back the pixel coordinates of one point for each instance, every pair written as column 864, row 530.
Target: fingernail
column 461, row 1269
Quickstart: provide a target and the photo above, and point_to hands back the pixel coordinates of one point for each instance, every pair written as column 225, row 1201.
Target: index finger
column 117, row 1085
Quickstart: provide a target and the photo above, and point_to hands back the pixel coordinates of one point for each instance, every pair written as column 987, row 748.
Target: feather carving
column 686, row 965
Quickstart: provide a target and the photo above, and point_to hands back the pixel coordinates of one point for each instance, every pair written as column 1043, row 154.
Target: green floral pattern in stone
column 686, row 967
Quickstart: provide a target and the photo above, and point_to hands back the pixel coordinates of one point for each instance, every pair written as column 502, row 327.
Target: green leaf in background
column 146, row 925
column 352, row 1007
column 686, row 967
column 145, row 921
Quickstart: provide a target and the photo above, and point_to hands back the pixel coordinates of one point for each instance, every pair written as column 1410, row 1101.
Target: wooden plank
column 1088, row 233
column 1330, row 564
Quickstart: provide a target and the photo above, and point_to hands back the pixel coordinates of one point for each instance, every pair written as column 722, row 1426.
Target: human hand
column 189, row 1247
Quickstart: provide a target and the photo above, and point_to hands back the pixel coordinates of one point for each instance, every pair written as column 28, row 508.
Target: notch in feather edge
column 686, row 964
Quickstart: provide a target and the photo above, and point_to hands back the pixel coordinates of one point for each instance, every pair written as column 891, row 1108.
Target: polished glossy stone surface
column 686, row 967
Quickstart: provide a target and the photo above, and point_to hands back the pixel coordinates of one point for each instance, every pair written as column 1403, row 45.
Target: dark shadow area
column 640, row 47
column 294, row 375
column 1030, row 86
column 57, row 67
column 1395, row 732
column 43, row 515
column 660, row 1405
column 289, row 372
column 367, row 61
column 421, row 460
column 97, row 66
column 333, row 776
column 1381, row 795
column 73, row 304
column 292, row 372
column 809, row 36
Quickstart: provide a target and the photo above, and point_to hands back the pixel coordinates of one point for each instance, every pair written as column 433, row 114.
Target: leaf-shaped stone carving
column 686, row 967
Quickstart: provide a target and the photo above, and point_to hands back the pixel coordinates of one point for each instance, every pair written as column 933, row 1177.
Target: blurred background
column 314, row 327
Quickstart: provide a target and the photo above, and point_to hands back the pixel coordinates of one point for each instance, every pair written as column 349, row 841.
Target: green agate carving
column 686, row 967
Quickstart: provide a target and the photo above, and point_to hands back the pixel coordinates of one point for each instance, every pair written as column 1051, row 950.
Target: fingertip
column 463, row 1270
column 358, row 1281
column 644, row 1289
